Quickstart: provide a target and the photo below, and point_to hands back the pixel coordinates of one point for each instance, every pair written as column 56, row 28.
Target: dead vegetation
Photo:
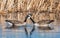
column 41, row 9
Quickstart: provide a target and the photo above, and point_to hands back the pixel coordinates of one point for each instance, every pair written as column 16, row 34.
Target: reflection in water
column 29, row 29
column 20, row 33
column 32, row 30
column 26, row 32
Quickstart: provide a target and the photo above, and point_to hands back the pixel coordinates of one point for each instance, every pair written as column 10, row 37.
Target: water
column 20, row 33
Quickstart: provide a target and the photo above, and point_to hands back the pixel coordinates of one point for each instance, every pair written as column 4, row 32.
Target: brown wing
column 45, row 21
column 15, row 21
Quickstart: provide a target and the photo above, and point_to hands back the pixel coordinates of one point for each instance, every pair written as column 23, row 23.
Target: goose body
column 46, row 25
column 13, row 23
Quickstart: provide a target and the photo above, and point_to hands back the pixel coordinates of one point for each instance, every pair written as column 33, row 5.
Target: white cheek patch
column 28, row 17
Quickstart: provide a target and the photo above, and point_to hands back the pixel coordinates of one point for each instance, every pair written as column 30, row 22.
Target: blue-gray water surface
column 20, row 33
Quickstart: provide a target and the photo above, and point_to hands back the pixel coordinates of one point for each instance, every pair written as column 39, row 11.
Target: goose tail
column 50, row 21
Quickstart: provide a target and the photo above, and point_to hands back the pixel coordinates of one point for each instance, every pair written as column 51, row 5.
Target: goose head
column 29, row 15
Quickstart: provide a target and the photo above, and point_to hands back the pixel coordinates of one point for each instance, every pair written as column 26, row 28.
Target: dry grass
column 41, row 9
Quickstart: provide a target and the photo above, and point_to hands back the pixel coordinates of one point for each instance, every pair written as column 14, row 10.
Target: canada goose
column 44, row 24
column 13, row 23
